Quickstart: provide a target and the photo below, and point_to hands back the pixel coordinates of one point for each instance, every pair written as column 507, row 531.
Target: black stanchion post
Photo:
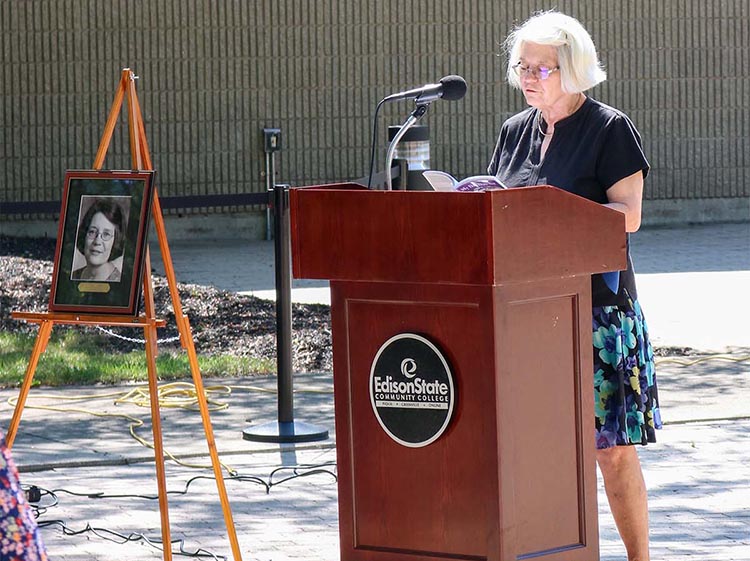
column 283, row 303
column 285, row 429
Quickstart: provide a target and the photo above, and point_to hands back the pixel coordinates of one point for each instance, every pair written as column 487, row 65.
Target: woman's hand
column 626, row 196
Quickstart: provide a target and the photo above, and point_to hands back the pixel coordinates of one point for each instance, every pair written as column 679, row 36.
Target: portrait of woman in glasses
column 573, row 142
column 100, row 240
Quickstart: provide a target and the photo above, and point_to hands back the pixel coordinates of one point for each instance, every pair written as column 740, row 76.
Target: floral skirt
column 626, row 400
column 19, row 535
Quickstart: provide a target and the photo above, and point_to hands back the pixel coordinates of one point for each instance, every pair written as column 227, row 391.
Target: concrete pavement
column 692, row 283
column 698, row 474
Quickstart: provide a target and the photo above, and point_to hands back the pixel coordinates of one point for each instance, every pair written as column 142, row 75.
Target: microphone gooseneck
column 417, row 114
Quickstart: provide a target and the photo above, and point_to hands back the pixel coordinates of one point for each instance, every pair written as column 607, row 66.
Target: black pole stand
column 286, row 429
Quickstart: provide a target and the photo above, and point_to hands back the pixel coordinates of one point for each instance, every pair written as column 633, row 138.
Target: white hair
column 579, row 64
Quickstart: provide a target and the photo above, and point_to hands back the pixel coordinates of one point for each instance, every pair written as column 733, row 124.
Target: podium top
column 344, row 232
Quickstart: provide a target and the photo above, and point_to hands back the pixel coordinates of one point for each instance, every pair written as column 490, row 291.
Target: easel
column 141, row 159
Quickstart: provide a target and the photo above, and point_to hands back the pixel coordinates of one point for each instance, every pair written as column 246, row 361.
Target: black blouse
column 591, row 150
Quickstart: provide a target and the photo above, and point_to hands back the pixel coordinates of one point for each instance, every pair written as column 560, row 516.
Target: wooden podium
column 499, row 283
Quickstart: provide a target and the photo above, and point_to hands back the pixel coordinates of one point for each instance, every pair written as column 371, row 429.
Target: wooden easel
column 141, row 160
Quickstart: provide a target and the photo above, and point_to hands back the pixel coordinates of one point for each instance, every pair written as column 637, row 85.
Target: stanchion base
column 276, row 431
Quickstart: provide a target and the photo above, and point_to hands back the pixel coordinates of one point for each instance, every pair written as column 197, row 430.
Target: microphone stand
column 417, row 114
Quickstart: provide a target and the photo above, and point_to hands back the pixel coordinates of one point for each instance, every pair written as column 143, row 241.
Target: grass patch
column 76, row 358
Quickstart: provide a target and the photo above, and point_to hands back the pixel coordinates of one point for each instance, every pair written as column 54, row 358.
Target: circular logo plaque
column 411, row 390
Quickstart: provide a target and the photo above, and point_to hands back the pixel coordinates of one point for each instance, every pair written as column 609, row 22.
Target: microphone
column 450, row 88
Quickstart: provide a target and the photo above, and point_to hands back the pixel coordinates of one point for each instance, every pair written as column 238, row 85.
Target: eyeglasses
column 93, row 233
column 538, row 72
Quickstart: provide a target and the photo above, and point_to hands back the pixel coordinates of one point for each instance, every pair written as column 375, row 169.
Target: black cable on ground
column 116, row 537
column 41, row 500
column 298, row 471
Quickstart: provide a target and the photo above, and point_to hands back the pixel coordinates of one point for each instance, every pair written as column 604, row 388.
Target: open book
column 442, row 181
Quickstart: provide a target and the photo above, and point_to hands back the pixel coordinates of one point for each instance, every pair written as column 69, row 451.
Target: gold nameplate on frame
column 102, row 287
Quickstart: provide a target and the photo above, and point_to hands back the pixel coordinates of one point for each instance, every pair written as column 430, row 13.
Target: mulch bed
column 222, row 322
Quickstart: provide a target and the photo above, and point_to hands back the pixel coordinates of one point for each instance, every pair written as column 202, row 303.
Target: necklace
column 539, row 126
column 578, row 104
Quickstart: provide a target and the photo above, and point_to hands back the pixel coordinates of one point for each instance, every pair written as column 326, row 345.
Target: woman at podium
column 567, row 139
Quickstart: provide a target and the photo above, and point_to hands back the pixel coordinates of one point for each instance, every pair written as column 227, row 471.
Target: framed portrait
column 101, row 242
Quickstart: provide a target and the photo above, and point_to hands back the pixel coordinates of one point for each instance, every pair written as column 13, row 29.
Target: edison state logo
column 411, row 390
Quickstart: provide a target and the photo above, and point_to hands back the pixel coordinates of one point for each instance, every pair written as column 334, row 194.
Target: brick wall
column 214, row 73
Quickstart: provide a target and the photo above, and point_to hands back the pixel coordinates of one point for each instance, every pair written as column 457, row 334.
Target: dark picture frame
column 101, row 242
